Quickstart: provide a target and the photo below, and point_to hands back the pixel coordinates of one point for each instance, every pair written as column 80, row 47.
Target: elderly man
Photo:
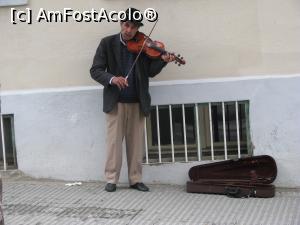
column 126, row 101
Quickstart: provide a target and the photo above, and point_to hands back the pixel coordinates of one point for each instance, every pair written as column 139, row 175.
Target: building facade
column 237, row 95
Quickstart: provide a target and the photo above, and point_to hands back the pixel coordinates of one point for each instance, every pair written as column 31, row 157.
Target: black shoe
column 140, row 187
column 110, row 187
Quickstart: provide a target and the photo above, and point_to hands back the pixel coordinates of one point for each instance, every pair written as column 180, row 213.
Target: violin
column 153, row 49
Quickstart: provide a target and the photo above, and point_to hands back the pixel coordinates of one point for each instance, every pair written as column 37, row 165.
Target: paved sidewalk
column 28, row 201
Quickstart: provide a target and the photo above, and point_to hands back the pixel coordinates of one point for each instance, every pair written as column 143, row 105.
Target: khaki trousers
column 125, row 120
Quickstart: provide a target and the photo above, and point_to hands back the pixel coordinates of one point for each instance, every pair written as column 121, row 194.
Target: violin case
column 240, row 178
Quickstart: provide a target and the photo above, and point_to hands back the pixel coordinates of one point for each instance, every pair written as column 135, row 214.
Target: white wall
column 217, row 38
column 60, row 133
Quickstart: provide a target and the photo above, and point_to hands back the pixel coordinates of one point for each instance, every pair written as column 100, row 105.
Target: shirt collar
column 121, row 40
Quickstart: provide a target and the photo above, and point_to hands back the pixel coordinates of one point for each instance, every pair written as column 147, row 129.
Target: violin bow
column 136, row 59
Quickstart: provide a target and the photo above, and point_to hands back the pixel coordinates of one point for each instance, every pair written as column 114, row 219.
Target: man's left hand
column 168, row 57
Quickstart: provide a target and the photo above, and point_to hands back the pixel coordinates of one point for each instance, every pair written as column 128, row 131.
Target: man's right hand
column 121, row 82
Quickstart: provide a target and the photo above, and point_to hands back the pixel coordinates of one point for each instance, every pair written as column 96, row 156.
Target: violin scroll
column 179, row 60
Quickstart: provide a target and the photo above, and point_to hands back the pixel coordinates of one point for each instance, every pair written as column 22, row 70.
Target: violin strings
column 140, row 51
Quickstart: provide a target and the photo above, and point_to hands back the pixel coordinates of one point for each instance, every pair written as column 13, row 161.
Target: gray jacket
column 107, row 63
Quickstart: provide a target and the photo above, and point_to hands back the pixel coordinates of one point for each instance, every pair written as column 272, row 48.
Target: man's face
column 128, row 30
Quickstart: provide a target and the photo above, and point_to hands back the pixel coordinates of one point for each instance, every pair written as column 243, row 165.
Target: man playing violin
column 126, row 100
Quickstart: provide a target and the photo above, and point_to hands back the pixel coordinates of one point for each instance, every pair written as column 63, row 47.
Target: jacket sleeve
column 156, row 66
column 98, row 69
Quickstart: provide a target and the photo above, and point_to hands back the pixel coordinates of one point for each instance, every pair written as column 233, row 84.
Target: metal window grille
column 8, row 158
column 195, row 132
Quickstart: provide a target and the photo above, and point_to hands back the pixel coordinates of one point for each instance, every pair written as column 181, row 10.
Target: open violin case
column 240, row 178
